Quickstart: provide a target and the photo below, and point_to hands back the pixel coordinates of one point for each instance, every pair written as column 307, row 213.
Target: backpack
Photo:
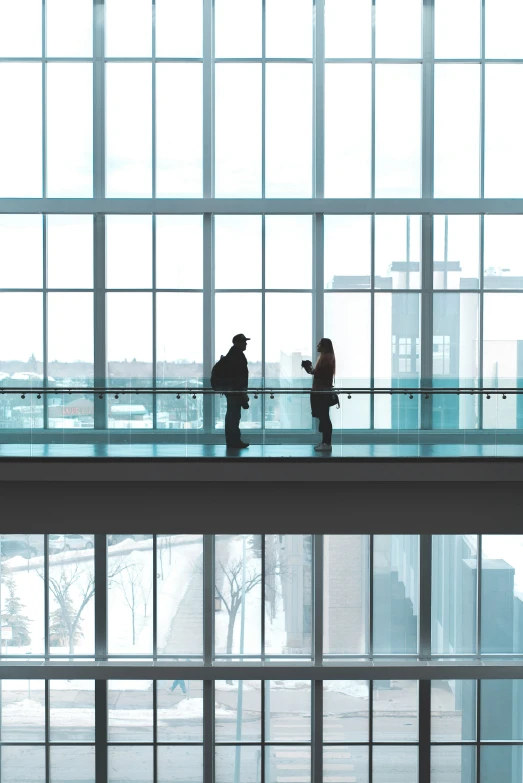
column 220, row 375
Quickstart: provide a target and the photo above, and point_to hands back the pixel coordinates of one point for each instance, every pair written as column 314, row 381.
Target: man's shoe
column 242, row 445
column 323, row 447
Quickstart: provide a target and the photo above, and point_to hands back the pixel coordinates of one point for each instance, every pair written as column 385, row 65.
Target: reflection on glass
column 504, row 21
column 348, row 136
column 500, row 709
column 23, row 763
column 129, row 249
column 288, row 710
column 394, row 763
column 345, row 597
column 500, row 762
column 398, row 251
column 237, row 242
column 348, row 28
column 22, row 595
column 288, row 595
column 180, row 763
column 288, row 251
column 238, row 589
column 457, row 29
column 128, row 28
column 71, row 714
column 289, row 28
column 179, row 594
column 288, row 130
column 237, row 763
column 398, row 128
column 71, row 594
column 456, row 251
column 21, row 251
column 69, row 28
column 503, row 253
column 345, row 711
column 456, row 763
column 179, row 251
column 130, row 595
column 21, row 29
column 395, row 711
column 503, row 130
column 130, row 764
column 396, row 595
column 21, row 127
column 179, row 147
column 22, row 705
column 69, row 251
column 179, row 710
column 231, row 16
column 238, row 130
column 501, row 588
column 457, row 121
column 179, row 28
column 237, row 710
column 453, row 710
column 398, row 28
column 454, row 586
column 73, row 764
column 129, row 130
column 291, row 762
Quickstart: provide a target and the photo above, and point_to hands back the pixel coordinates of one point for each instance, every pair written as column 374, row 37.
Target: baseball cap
column 239, row 338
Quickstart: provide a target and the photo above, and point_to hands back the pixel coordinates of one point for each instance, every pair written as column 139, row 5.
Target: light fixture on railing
column 23, row 396
column 426, row 396
column 411, row 396
column 194, row 396
column 504, row 396
column 178, row 397
column 255, row 396
column 488, row 396
column 38, row 396
column 100, row 396
column 349, row 396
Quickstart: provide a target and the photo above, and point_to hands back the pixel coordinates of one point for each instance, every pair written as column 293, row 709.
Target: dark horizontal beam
column 120, row 391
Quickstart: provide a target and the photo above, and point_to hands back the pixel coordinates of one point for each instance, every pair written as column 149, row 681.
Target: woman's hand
column 307, row 365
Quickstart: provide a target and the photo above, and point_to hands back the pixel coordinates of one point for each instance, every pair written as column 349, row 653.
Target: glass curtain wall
column 166, row 183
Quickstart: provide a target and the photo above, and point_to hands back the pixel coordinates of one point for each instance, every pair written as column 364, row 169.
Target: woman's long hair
column 327, row 353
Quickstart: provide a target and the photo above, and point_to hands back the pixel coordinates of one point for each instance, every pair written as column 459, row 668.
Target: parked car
column 66, row 541
column 12, row 547
column 117, row 538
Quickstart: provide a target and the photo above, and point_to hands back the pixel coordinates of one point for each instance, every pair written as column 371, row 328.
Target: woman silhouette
column 323, row 373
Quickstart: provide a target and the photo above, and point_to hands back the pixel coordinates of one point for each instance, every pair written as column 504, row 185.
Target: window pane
column 23, row 707
column 180, row 711
column 395, row 711
column 180, row 764
column 130, row 601
column 128, row 31
column 502, row 333
column 295, row 558
column 348, row 28
column 347, row 251
column 69, row 30
column 394, row 763
column 500, row 762
column 237, row 243
column 500, row 700
column 457, row 131
column 179, row 251
column 70, row 350
column 398, row 28
column 179, row 28
column 454, row 588
column 277, row 575
column 286, row 348
column 70, row 251
column 240, row 763
column 69, row 130
column 71, row 594
column 398, row 129
column 503, row 251
column 501, row 581
column 503, row 131
column 396, row 590
column 235, row 313
column 177, row 356
column 179, row 143
column 238, row 585
column 288, row 130
column 453, row 709
column 21, row 251
column 130, row 708
column 129, row 243
column 288, row 705
column 238, row 130
column 22, row 588
column 21, row 346
column 345, row 602
column 503, row 24
column 20, row 129
column 457, row 29
column 23, row 764
column 348, row 325
column 130, row 764
column 229, row 725
column 231, row 16
column 287, row 762
column 398, row 251
column 289, row 28
column 288, row 251
column 21, row 29
column 456, row 251
column 348, row 136
column 453, row 763
column 349, row 762
column 345, row 710
column 129, row 130
column 73, row 765
column 71, row 717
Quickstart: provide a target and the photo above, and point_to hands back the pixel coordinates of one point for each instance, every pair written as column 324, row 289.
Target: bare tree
column 130, row 583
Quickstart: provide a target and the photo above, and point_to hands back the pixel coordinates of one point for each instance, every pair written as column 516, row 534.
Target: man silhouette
column 237, row 383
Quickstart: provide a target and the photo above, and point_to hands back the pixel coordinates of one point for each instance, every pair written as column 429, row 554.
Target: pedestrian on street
column 181, row 683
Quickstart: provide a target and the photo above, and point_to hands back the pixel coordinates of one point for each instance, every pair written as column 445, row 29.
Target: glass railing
column 184, row 417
